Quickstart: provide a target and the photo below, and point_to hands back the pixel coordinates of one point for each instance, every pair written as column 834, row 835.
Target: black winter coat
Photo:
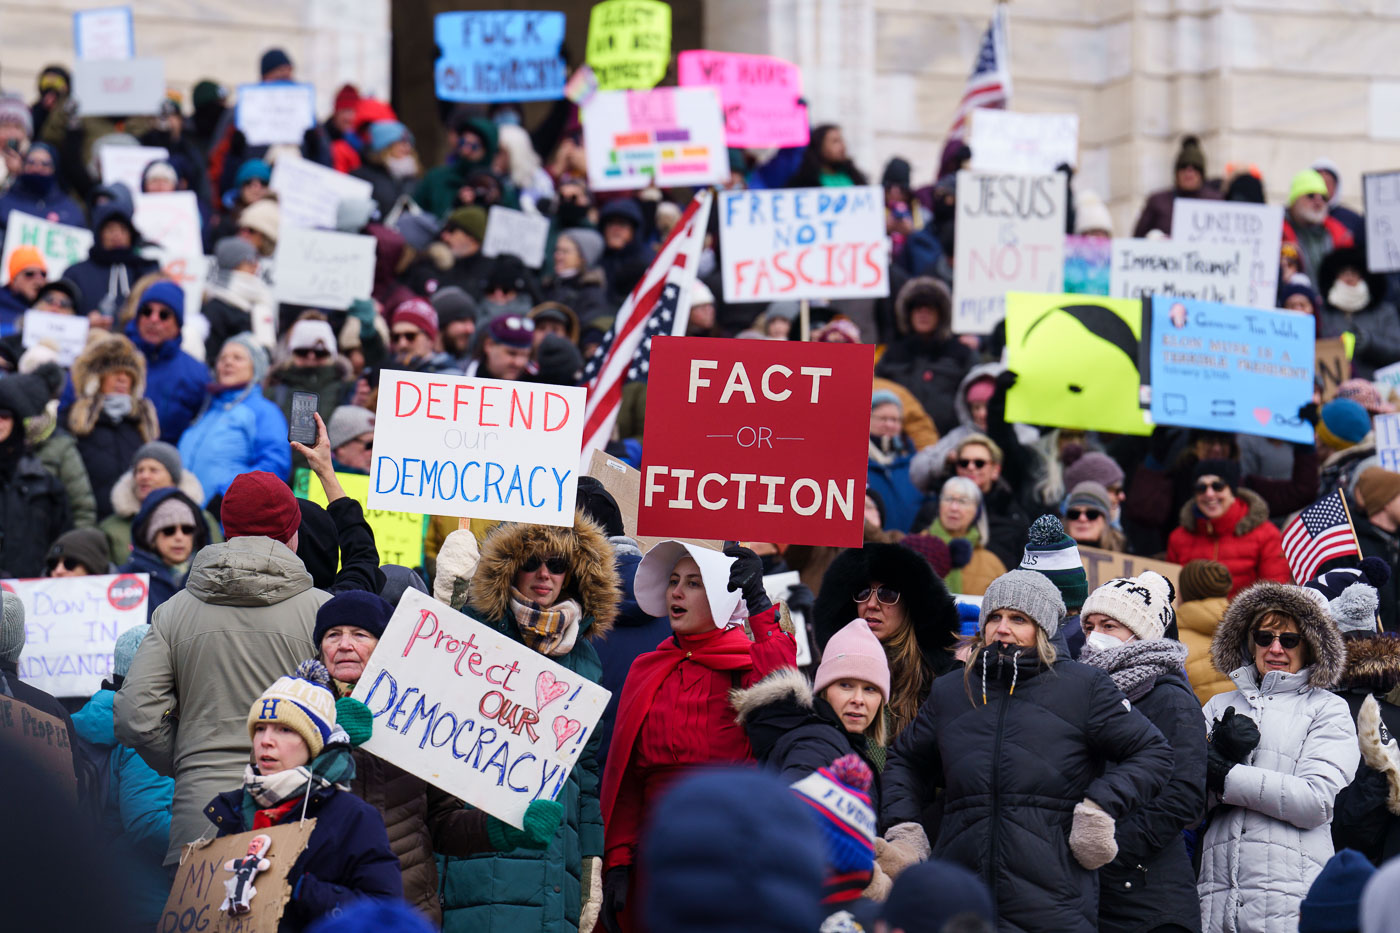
column 107, row 453
column 1361, row 818
column 33, row 513
column 1012, row 767
column 339, row 535
column 1151, row 883
column 1377, row 543
column 932, row 371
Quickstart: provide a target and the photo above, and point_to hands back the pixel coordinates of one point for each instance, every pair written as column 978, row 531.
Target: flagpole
column 804, row 312
column 1356, row 541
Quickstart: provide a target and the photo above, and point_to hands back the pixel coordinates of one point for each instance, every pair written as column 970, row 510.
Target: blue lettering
column 486, row 736
column 269, row 709
column 393, row 691
column 546, row 777
column 455, row 477
column 467, row 466
column 450, row 734
column 516, row 488
column 503, row 754
column 379, row 463
column 431, row 476
column 399, row 708
column 467, row 725
column 528, row 756
column 560, row 481
column 533, row 503
column 493, row 483
column 403, row 477
column 421, row 711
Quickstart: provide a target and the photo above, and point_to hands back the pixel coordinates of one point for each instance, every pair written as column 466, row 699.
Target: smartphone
column 302, row 427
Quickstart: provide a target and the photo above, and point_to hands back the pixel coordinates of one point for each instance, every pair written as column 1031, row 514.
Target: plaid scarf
column 334, row 766
column 1136, row 665
column 551, row 631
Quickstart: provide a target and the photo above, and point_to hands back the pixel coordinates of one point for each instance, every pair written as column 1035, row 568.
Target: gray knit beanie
column 11, row 628
column 125, row 648
column 1028, row 592
column 164, row 454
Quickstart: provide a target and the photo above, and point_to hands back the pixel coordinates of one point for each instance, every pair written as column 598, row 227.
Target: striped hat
column 302, row 702
column 1051, row 552
column 840, row 795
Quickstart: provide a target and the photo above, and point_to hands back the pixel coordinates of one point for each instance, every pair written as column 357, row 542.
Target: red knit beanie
column 259, row 503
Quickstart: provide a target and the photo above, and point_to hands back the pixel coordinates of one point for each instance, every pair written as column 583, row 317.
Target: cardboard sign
column 1331, row 367
column 308, row 194
column 71, row 626
column 67, row 333
column 1382, row 194
column 1101, row 566
column 126, row 87
column 1030, row 143
column 125, row 164
column 1202, row 271
column 60, row 245
column 1255, row 228
column 479, row 448
column 629, row 43
column 1231, row 369
column 625, row 484
column 804, row 243
column 1387, row 428
column 397, row 535
column 196, row 898
column 1076, row 359
column 748, row 437
column 499, row 56
column 516, row 233
column 473, row 711
column 1087, row 263
column 1009, row 236
column 275, row 112
column 761, row 96
column 41, row 737
column 323, row 269
column 171, row 220
column 104, row 34
column 669, row 137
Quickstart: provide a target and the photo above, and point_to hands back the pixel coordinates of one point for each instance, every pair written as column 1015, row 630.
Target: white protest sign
column 804, row 243
column 1387, row 428
column 323, row 269
column 119, row 87
column 1204, row 271
column 104, row 33
column 308, row 194
column 671, row 137
column 66, row 332
column 777, row 586
column 1257, row 228
column 171, row 220
column 482, row 448
column 1382, row 195
column 59, row 244
column 125, row 164
column 1387, row 380
column 517, row 233
column 474, row 711
column 1009, row 235
column 71, row 626
column 275, row 112
column 1031, row 143
column 190, row 272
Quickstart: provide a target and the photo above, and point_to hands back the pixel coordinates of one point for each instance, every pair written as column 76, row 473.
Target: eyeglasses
column 56, row 301
column 404, row 336
column 1091, row 515
column 186, row 530
column 556, row 565
column 969, row 463
column 1217, row 485
column 885, row 594
column 313, row 352
column 32, row 274
column 1289, row 640
column 164, row 314
column 367, row 445
column 471, row 144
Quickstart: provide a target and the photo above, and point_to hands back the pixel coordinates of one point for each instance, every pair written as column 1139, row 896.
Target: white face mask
column 1349, row 298
column 1100, row 641
column 405, row 166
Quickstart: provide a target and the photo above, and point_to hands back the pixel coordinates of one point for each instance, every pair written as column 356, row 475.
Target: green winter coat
column 125, row 505
column 59, row 455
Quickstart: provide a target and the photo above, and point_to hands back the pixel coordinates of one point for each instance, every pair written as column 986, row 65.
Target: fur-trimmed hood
column 786, row 685
column 1256, row 513
column 1228, row 650
column 105, row 354
column 126, row 505
column 592, row 578
column 1373, row 663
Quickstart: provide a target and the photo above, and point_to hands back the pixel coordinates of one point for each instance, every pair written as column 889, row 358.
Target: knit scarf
column 551, row 631
column 333, row 767
column 1135, row 666
column 953, row 579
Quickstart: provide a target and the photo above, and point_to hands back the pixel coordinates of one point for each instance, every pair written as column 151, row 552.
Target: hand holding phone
column 302, row 426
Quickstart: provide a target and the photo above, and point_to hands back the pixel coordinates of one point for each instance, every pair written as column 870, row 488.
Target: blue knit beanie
column 1344, row 423
column 253, row 168
column 384, row 133
column 125, row 649
column 167, row 293
column 1333, row 904
column 359, row 608
column 840, row 798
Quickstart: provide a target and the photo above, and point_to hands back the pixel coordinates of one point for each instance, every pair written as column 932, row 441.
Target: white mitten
column 904, row 844
column 1379, row 749
column 456, row 562
column 1091, row 836
column 592, row 893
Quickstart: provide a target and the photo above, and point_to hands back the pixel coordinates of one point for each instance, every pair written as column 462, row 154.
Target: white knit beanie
column 11, row 628
column 1143, row 604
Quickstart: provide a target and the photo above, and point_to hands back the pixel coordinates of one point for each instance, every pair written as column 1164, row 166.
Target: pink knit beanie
column 854, row 653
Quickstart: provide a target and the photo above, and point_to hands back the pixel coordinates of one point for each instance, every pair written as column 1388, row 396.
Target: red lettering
column 790, row 279
column 474, row 662
column 457, row 403
column 469, row 643
column 877, row 268
column 563, row 420
column 398, row 399
column 434, row 400
column 481, row 411
column 423, row 616
column 527, row 414
column 739, row 268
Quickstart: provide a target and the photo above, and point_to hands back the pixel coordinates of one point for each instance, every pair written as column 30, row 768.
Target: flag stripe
column 989, row 83
column 1318, row 534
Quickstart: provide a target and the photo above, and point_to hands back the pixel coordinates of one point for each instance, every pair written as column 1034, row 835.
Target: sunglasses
column 1091, row 515
column 32, row 274
column 404, row 336
column 972, row 464
column 164, row 314
column 57, row 302
column 313, row 353
column 1289, row 640
column 1213, row 486
column 69, row 563
column 885, row 594
column 556, row 565
column 187, row 530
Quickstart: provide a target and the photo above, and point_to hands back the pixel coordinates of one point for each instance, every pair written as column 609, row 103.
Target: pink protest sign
column 760, row 95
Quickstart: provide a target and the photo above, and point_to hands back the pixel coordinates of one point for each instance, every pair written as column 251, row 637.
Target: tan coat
column 1196, row 622
column 981, row 570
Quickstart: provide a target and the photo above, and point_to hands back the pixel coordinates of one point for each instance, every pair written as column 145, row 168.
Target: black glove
column 1235, row 736
column 800, row 598
column 1005, row 380
column 746, row 575
column 1159, row 448
column 1217, row 766
column 1308, row 413
column 614, row 896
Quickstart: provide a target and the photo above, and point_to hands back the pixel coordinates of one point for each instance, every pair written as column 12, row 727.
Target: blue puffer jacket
column 136, row 810
column 891, row 480
column 175, row 381
column 166, row 580
column 239, row 431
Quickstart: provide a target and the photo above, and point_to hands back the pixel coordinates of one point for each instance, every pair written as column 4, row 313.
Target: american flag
column 989, row 85
column 1321, row 532
column 660, row 304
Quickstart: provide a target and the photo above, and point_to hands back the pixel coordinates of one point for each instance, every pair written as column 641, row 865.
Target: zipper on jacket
column 996, row 801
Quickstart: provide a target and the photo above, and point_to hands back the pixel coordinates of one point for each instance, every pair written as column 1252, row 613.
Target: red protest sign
column 756, row 440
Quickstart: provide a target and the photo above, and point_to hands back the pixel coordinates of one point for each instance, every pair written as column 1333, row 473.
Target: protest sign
column 170, row 219
column 104, row 33
column 196, row 898
column 624, row 484
column 125, row 164
column 275, row 112
column 59, row 244
column 1203, row 271
column 670, row 137
column 42, row 738
column 397, row 535
column 505, row 55
column 479, row 448
column 1076, row 360
column 750, row 436
column 119, row 87
column 1230, row 369
column 71, row 626
column 1382, row 193
column 323, row 269
column 1101, row 566
column 778, row 586
column 1387, row 428
column 804, row 243
column 474, row 711
column 761, row 96
column 629, row 43
column 1387, row 380
column 516, row 233
column 1256, row 228
column 67, row 333
column 1330, row 367
column 1030, row 143
column 308, row 194
column 1009, row 236
column 1087, row 262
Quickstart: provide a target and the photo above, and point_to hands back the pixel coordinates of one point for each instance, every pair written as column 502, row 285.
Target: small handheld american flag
column 1320, row 532
column 989, row 84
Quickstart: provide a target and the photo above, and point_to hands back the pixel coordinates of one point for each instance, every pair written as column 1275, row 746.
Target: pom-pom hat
column 303, row 702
